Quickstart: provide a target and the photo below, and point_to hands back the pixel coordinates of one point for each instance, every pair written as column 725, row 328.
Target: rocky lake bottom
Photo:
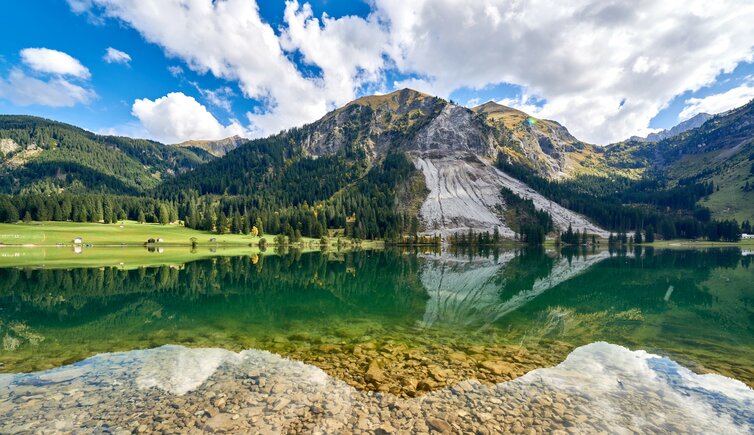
column 389, row 342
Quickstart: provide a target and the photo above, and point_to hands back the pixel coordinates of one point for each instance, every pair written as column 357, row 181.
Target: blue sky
column 205, row 70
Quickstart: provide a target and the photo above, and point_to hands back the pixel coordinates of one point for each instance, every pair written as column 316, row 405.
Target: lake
column 517, row 340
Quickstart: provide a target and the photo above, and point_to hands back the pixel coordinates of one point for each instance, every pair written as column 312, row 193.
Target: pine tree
column 83, row 214
column 107, row 212
column 172, row 213
column 245, row 224
column 222, row 223
column 650, row 234
column 237, row 225
column 141, row 217
column 164, row 215
column 208, row 220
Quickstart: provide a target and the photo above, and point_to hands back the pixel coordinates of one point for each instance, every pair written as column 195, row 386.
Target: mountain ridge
column 42, row 152
column 689, row 124
column 218, row 147
column 388, row 165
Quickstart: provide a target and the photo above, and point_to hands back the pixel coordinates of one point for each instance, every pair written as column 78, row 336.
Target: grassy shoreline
column 682, row 243
column 124, row 245
column 124, row 233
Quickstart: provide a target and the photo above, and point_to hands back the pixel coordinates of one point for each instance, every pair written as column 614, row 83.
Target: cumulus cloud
column 177, row 117
column 234, row 43
column 116, row 56
column 24, row 90
column 50, row 61
column 718, row 102
column 51, row 78
column 603, row 68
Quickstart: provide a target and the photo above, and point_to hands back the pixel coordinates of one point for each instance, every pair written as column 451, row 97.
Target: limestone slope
column 465, row 195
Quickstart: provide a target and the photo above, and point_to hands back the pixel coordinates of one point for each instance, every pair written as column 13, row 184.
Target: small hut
column 78, row 240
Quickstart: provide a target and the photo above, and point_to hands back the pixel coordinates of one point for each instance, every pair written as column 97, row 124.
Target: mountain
column 543, row 144
column 217, row 148
column 691, row 123
column 453, row 186
column 394, row 165
column 39, row 154
column 720, row 151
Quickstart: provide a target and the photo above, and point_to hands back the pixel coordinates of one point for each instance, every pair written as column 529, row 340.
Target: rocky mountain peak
column 217, row 148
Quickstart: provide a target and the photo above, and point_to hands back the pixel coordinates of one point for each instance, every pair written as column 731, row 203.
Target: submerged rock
column 580, row 395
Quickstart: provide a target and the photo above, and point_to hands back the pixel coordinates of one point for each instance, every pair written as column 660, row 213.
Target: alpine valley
column 391, row 167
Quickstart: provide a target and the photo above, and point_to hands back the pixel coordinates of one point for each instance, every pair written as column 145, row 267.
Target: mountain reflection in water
column 524, row 308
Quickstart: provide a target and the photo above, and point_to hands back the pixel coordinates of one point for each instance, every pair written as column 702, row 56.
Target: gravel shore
column 599, row 388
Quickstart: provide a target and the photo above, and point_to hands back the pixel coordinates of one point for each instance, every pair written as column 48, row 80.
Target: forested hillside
column 387, row 167
column 41, row 155
column 719, row 152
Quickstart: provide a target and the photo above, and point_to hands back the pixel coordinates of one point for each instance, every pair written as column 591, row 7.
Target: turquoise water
column 694, row 306
column 403, row 324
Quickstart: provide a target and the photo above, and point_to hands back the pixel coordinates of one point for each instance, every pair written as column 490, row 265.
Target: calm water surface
column 402, row 324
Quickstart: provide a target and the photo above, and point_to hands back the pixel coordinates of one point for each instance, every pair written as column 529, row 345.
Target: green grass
column 57, row 257
column 731, row 202
column 728, row 201
column 683, row 243
column 127, row 232
column 50, row 245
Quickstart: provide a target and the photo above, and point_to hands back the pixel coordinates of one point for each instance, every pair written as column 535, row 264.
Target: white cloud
column 602, row 68
column 234, row 43
column 177, row 117
column 718, row 103
column 24, row 90
column 582, row 56
column 116, row 56
column 50, row 61
column 175, row 70
column 219, row 97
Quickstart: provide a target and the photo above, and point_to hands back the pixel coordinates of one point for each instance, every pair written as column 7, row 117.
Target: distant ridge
column 689, row 124
column 217, row 148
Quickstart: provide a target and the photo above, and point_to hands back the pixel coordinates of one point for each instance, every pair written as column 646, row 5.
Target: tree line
column 622, row 205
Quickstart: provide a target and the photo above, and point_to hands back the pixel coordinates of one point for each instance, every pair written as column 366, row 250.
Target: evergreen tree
column 236, row 226
column 107, row 212
column 172, row 213
column 82, row 215
column 245, row 224
column 208, row 220
column 141, row 218
column 221, row 225
column 164, row 215
column 650, row 234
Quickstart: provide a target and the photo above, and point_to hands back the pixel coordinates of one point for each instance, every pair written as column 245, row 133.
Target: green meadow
column 124, row 232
